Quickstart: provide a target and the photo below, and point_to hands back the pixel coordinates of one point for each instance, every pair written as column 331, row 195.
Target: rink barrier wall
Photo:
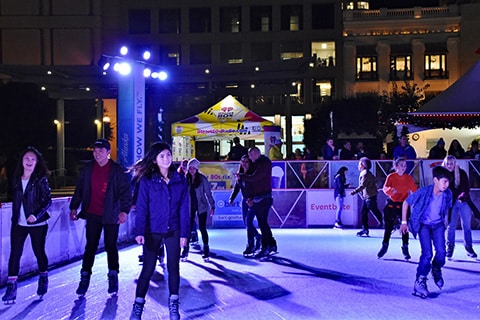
column 303, row 198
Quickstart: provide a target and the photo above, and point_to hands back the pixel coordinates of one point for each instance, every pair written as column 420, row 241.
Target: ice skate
column 470, row 252
column 249, row 251
column 140, row 258
column 338, row 225
column 113, row 282
column 405, row 252
column 173, row 307
column 137, row 309
column 437, row 277
column 420, row 287
column 11, row 293
column 450, row 248
column 383, row 250
column 42, row 284
column 193, row 238
column 258, row 242
column 84, row 283
column 362, row 233
column 206, row 253
column 184, row 254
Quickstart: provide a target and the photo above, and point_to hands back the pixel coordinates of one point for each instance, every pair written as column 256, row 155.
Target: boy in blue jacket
column 429, row 213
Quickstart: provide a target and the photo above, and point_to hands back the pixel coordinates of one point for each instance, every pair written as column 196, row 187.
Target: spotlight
column 146, row 55
column 147, row 72
column 154, row 75
column 124, row 69
column 123, row 50
column 106, row 66
column 162, row 75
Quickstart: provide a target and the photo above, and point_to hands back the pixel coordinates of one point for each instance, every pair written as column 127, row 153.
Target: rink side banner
column 322, row 208
column 222, row 174
column 226, row 215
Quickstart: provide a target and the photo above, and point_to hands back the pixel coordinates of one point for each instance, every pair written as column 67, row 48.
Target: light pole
column 131, row 101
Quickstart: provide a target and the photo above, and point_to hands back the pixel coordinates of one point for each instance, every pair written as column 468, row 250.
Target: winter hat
column 194, row 163
column 441, row 141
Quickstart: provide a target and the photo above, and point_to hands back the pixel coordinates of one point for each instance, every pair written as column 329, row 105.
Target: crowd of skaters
column 104, row 190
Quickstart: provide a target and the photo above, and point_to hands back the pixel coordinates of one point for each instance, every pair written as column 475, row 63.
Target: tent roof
column 223, row 120
column 461, row 97
column 458, row 106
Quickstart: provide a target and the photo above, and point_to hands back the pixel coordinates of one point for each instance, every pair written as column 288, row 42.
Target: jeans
column 370, row 204
column 150, row 251
column 248, row 216
column 428, row 235
column 460, row 210
column 94, row 226
column 18, row 235
column 391, row 213
column 339, row 200
column 261, row 210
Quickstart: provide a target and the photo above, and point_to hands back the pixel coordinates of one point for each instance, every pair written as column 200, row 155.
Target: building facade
column 282, row 59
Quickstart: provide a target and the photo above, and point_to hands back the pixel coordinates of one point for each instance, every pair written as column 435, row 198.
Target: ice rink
column 317, row 274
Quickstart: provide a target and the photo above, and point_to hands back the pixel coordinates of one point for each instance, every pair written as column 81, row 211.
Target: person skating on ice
column 367, row 188
column 397, row 187
column 428, row 219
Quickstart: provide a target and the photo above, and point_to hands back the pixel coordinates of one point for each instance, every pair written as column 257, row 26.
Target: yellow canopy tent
column 224, row 120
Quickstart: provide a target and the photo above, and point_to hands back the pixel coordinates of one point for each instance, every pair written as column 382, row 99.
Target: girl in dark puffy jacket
column 161, row 215
column 31, row 199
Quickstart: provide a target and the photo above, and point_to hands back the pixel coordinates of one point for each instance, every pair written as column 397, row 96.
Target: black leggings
column 391, row 214
column 150, row 252
column 18, row 235
column 202, row 225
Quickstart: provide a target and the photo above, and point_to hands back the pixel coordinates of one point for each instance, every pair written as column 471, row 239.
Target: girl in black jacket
column 31, row 199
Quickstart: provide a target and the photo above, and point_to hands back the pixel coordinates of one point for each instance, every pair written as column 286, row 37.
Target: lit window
column 367, row 68
column 401, row 67
column 436, row 66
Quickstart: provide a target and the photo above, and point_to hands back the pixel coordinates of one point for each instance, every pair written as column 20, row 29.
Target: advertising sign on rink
column 321, row 208
column 226, row 215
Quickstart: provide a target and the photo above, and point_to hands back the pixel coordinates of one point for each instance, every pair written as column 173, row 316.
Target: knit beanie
column 194, row 163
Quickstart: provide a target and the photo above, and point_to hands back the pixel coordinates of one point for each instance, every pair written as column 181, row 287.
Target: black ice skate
column 173, row 307
column 383, row 250
column 258, row 242
column 470, row 252
column 450, row 248
column 11, row 293
column 420, row 287
column 362, row 233
column 249, row 251
column 206, row 253
column 405, row 252
column 137, row 310
column 113, row 282
column 42, row 284
column 437, row 277
column 184, row 254
column 84, row 283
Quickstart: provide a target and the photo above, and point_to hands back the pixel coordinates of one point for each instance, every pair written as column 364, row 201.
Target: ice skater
column 31, row 199
column 429, row 211
column 339, row 185
column 460, row 187
column 397, row 187
column 202, row 204
column 367, row 188
column 162, row 215
column 254, row 238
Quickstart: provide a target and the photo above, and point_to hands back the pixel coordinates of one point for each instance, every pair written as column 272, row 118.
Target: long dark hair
column 341, row 173
column 41, row 169
column 147, row 167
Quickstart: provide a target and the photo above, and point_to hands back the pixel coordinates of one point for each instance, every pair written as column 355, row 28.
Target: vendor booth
column 224, row 120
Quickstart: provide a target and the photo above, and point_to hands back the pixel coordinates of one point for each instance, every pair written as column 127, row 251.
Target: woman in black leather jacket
column 31, row 199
